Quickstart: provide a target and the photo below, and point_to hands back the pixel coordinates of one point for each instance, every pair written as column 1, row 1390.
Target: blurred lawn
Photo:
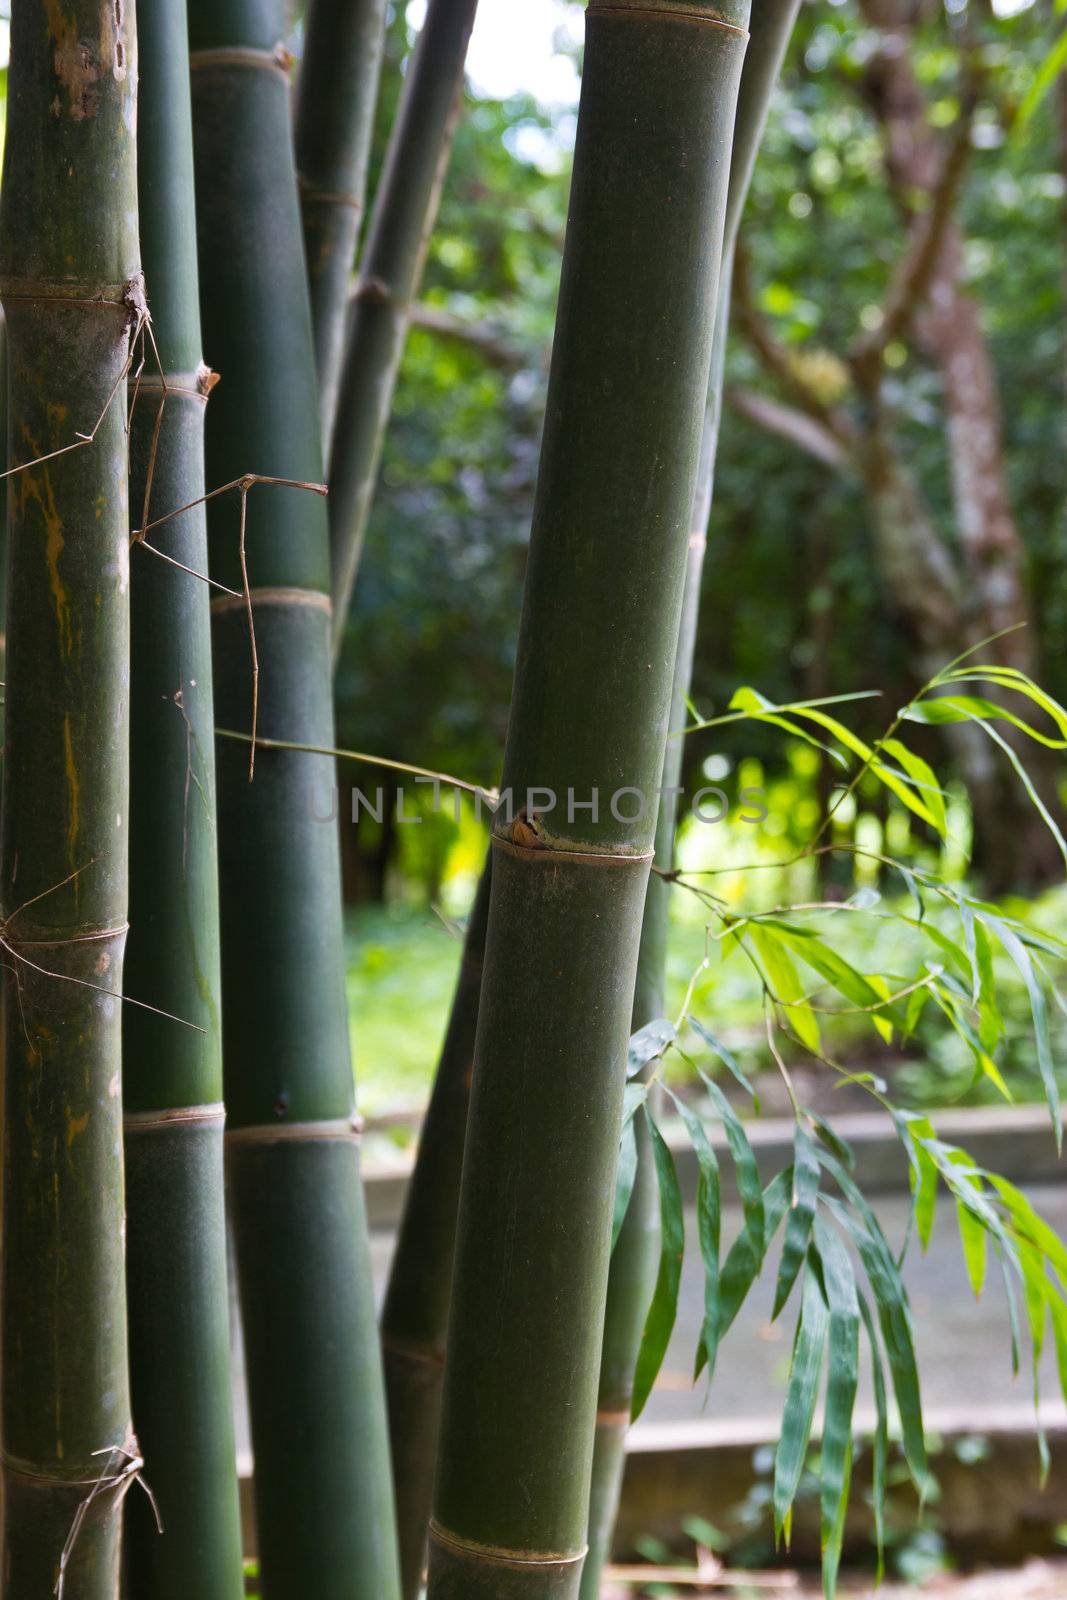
column 402, row 963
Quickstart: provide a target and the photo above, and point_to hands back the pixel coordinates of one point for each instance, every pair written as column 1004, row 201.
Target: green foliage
column 834, row 1258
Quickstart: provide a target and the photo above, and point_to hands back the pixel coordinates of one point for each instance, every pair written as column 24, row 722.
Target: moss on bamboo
column 603, row 596
column 323, row 1491
column 172, row 1074
column 70, row 285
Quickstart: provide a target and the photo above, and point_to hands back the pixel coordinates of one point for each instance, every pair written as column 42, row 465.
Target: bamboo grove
column 202, row 345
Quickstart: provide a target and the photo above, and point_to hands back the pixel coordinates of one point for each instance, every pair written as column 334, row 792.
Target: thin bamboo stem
column 415, row 1313
column 401, row 222
column 73, row 297
column 324, row 1504
column 334, row 124
column 172, row 1076
column 601, row 612
column 634, row 1261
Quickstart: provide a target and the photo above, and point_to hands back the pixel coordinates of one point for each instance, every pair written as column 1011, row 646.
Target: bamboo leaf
column 748, row 1182
column 659, row 1323
column 1019, row 954
column 647, row 1043
column 880, row 1443
column 786, row 986
column 804, row 1374
column 624, row 1179
column 742, row 1266
column 856, row 987
column 893, row 1313
column 709, row 1223
column 728, row 1060
column 973, row 1241
column 841, row 1385
column 1043, row 79
column 925, row 779
column 801, row 1215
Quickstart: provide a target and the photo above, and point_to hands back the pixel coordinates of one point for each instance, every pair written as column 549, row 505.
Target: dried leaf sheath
column 323, row 1490
column 172, row 1075
column 70, row 287
column 618, row 472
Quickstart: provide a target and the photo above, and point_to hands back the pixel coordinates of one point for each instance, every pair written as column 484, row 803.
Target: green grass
column 402, row 966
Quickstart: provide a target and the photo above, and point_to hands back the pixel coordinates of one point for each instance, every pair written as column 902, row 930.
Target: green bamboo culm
column 415, row 1313
column 172, row 1074
column 603, row 596
column 73, row 297
column 323, row 1491
column 401, row 221
column 338, row 91
column 631, row 1280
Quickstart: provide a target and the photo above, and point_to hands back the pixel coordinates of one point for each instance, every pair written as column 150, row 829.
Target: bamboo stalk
column 634, row 1261
column 415, row 1313
column 72, row 294
column 323, row 1494
column 172, row 1075
column 593, row 681
column 334, row 125
column 401, row 221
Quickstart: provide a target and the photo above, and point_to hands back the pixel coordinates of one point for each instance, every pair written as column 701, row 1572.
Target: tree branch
column 915, row 272
column 774, row 357
column 488, row 341
column 786, row 422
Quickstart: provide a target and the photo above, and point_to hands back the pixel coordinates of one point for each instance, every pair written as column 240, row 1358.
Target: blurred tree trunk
column 1015, row 848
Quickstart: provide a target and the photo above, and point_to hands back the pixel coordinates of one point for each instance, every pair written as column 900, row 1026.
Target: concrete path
column 963, row 1345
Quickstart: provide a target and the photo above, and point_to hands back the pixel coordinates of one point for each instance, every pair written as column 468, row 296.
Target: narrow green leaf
column 801, row 1216
column 925, row 778
column 841, row 1385
column 1019, row 954
column 786, row 986
column 647, row 1043
column 743, row 1262
column 624, row 1179
column 664, row 1308
column 880, row 1442
column 709, row 1222
column 973, row 1240
column 728, row 1060
column 893, row 1313
column 805, row 1373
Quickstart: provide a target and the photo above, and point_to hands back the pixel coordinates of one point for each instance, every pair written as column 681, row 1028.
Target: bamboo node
column 675, row 10
column 328, row 197
column 278, row 60
column 426, row 1355
column 500, row 1555
column 554, row 851
column 375, row 291
column 327, row 1131
column 272, row 596
column 180, row 1116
